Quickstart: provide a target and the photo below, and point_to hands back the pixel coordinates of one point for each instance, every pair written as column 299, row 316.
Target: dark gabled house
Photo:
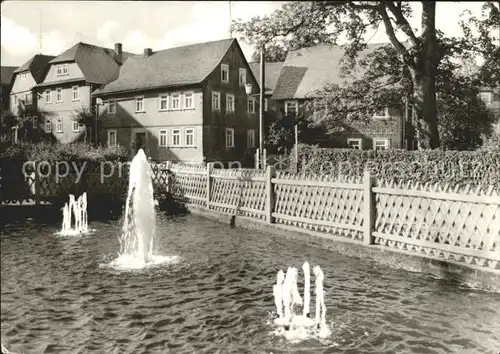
column 309, row 69
column 71, row 78
column 7, row 75
column 184, row 104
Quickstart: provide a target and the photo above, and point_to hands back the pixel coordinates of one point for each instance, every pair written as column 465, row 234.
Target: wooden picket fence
column 451, row 224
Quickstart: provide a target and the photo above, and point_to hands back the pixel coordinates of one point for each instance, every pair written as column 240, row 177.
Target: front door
column 140, row 141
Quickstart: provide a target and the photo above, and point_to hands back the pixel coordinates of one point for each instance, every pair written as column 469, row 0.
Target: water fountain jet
column 76, row 209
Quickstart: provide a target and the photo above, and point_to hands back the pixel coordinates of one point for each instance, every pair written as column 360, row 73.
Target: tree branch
column 403, row 23
column 389, row 29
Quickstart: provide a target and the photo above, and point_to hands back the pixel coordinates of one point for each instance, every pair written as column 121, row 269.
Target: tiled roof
column 271, row 74
column 38, row 66
column 308, row 69
column 99, row 65
column 185, row 65
column 6, row 74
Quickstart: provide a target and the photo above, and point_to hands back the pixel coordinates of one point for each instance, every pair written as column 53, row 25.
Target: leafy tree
column 86, row 116
column 418, row 59
column 272, row 54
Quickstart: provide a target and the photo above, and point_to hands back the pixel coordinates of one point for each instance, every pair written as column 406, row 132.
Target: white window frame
column 143, row 104
column 163, row 134
column 59, row 125
column 28, row 99
column 112, row 104
column 231, row 143
column 385, row 141
column 385, row 116
column 251, row 99
column 48, row 94
column 191, row 130
column 15, row 100
column 216, row 96
column 242, row 76
column 230, row 108
column 62, row 69
column 186, row 96
column 109, row 132
column 176, row 132
column 163, row 98
column 224, row 68
column 251, row 138
column 357, row 140
column 176, row 96
column 77, row 91
column 59, row 92
column 295, row 103
column 77, row 127
column 48, row 126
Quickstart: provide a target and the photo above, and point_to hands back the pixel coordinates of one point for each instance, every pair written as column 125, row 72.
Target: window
column 139, row 104
column 251, row 138
column 163, row 103
column 48, row 96
column 243, row 76
column 48, row 126
column 76, row 127
column 163, row 138
column 380, row 144
column 59, row 95
column 265, row 104
column 229, row 137
column 215, row 101
column 382, row 113
column 224, row 73
column 76, row 93
column 176, row 101
column 189, row 136
column 251, row 105
column 111, row 137
column 229, row 103
column 62, row 69
column 28, row 98
column 176, row 137
column 59, row 126
column 23, row 76
column 15, row 100
column 354, row 143
column 188, row 100
column 111, row 106
column 486, row 97
column 291, row 107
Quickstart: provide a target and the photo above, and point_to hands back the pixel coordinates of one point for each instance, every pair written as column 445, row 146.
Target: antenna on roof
column 230, row 22
column 40, row 34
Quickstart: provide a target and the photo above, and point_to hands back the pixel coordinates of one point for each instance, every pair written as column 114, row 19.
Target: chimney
column 148, row 52
column 118, row 51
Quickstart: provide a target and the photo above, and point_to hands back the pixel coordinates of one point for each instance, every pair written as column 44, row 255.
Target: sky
column 149, row 24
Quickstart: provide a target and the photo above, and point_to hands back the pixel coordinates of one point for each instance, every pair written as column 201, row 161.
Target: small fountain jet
column 76, row 209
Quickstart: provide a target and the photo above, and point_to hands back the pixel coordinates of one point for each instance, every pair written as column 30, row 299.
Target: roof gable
column 271, row 73
column 185, row 65
column 308, row 69
column 7, row 72
column 38, row 66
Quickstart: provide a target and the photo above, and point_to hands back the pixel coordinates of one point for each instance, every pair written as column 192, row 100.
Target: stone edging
column 475, row 277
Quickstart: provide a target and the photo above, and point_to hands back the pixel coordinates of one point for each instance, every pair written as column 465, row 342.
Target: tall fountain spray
column 320, row 300
column 307, row 286
column 139, row 225
column 75, row 210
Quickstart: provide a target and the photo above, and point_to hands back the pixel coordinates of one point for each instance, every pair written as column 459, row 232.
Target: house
column 7, row 73
column 26, row 77
column 491, row 98
column 184, row 104
column 309, row 69
column 71, row 78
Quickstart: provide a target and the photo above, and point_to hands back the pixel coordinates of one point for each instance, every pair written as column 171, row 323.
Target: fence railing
column 458, row 225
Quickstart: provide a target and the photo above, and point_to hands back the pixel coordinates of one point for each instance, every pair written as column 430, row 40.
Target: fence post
column 270, row 174
column 210, row 167
column 168, row 166
column 369, row 207
column 37, row 185
column 264, row 159
column 257, row 159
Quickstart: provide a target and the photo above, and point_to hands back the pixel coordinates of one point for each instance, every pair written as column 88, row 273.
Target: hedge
column 478, row 168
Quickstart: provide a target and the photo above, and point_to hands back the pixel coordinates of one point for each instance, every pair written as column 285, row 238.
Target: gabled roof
column 6, row 74
column 186, row 65
column 271, row 74
column 99, row 65
column 308, row 69
column 38, row 66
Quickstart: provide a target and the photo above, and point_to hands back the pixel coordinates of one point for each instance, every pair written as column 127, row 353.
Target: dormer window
column 382, row 113
column 243, row 76
column 224, row 73
column 62, row 69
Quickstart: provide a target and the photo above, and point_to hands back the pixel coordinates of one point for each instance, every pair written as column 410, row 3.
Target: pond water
column 58, row 296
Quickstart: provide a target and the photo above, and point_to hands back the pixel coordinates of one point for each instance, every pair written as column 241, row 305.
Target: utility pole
column 230, row 21
column 40, row 30
column 261, row 105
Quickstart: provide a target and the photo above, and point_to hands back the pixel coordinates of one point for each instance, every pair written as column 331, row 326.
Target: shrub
column 429, row 166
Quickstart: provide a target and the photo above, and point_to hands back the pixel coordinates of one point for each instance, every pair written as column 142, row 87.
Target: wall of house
column 74, row 72
column 216, row 122
column 127, row 122
column 65, row 109
column 22, row 84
